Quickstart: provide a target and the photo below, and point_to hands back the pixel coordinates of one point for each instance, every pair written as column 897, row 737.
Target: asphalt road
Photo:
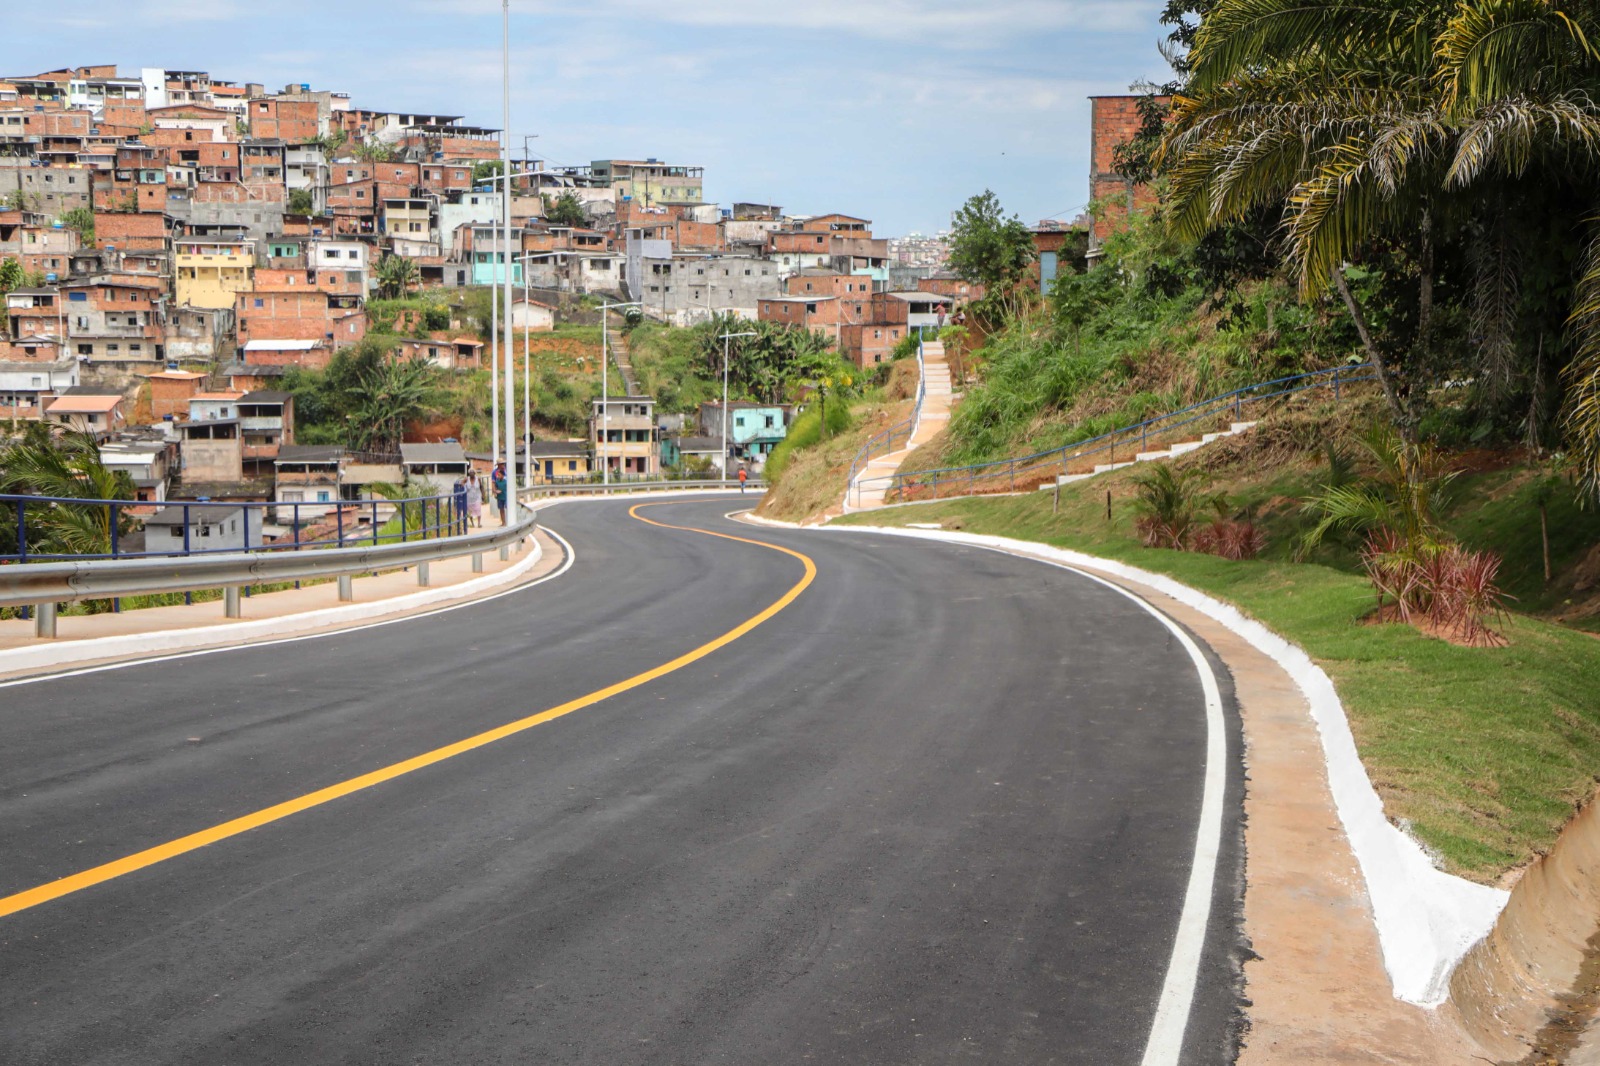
column 940, row 808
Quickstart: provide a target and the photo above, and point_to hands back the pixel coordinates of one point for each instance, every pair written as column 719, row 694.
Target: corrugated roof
column 432, row 453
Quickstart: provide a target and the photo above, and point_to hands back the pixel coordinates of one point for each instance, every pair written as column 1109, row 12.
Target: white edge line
column 1165, row 1045
column 571, row 557
column 1425, row 919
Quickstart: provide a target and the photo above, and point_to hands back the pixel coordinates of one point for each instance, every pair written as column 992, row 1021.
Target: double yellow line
column 77, row 882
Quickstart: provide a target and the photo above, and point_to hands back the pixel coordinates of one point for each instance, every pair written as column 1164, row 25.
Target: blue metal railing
column 348, row 522
column 885, row 440
column 921, row 484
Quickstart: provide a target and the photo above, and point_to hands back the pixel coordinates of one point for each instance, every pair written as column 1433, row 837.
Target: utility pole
column 726, row 337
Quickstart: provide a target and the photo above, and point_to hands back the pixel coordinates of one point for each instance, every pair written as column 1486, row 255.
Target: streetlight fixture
column 605, row 383
column 726, row 337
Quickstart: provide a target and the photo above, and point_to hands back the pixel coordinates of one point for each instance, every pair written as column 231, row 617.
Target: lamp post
column 527, row 403
column 726, row 337
column 505, row 218
column 605, row 384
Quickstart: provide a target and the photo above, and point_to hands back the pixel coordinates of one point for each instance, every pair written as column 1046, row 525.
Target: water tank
column 305, row 87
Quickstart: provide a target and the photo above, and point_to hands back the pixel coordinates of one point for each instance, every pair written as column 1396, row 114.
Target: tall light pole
column 494, row 366
column 605, row 384
column 527, row 403
column 505, row 216
column 726, row 337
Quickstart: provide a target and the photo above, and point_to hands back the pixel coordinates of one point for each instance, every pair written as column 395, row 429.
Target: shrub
column 1168, row 501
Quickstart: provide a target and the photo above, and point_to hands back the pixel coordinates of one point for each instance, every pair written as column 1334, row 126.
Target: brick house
column 1114, row 121
column 115, row 320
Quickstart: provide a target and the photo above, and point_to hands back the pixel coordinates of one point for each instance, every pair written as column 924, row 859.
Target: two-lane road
column 928, row 804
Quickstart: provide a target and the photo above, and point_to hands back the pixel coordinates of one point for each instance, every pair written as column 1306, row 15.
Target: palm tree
column 67, row 467
column 396, row 275
column 1392, row 128
column 387, row 394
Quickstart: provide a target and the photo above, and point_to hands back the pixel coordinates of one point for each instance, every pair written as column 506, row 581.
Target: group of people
column 469, row 494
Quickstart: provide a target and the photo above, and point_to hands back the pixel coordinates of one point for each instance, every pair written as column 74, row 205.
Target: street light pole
column 726, row 337
column 527, row 361
column 605, row 386
column 505, row 208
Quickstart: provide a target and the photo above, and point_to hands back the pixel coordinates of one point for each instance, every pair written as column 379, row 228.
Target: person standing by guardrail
column 474, row 499
column 459, row 493
column 743, row 476
column 498, row 477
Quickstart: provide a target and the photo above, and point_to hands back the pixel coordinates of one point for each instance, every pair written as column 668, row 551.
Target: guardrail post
column 347, row 588
column 422, row 574
column 113, row 510
column 477, row 562
column 1335, row 384
column 22, row 531
column 505, row 553
column 44, row 621
column 232, row 602
column 338, row 521
column 374, row 523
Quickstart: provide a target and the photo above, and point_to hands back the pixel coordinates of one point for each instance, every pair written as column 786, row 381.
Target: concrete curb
column 1426, row 919
column 48, row 656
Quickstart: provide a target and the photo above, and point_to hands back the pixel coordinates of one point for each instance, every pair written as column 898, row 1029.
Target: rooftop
column 432, row 453
column 310, row 453
column 83, row 405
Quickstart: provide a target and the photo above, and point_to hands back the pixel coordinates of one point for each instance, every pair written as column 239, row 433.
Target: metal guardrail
column 437, row 516
column 906, row 427
column 101, row 578
column 935, row 483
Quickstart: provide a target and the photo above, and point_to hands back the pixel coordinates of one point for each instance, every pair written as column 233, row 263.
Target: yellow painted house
column 210, row 273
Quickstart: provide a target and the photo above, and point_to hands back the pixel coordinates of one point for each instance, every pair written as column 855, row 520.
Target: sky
column 893, row 110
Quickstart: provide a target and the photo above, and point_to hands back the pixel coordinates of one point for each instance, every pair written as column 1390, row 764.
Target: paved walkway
column 619, row 354
column 867, row 491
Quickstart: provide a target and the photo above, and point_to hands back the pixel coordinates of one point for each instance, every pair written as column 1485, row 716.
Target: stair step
column 1209, row 437
column 1106, row 468
column 1150, row 457
column 1186, row 447
column 1240, row 427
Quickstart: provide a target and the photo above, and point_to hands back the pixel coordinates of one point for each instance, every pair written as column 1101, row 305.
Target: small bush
column 1445, row 585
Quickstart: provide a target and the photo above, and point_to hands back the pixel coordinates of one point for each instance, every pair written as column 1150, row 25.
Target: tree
column 988, row 249
column 82, row 220
column 300, row 202
column 565, row 210
column 1423, row 157
column 396, row 275
column 66, row 467
column 12, row 276
column 489, row 168
column 386, row 394
column 374, row 152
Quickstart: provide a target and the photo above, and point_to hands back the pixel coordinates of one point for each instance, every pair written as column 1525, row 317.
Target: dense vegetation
column 682, row 368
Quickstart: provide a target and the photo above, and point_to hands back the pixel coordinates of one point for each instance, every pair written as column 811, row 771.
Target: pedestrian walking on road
column 460, row 493
column 743, row 475
column 474, row 500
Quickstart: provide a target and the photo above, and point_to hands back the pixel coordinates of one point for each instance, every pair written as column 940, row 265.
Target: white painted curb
column 49, row 655
column 1426, row 918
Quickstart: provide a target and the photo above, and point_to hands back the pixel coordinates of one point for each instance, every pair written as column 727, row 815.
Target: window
column 77, row 297
column 260, row 302
column 175, row 531
column 322, row 496
column 770, row 422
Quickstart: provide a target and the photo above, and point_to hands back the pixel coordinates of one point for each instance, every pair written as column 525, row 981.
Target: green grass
column 1483, row 753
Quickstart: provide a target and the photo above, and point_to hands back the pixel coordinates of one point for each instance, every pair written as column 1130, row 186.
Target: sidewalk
column 931, row 421
column 389, row 595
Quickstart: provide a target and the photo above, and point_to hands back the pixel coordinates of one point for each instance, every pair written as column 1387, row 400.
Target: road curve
column 940, row 805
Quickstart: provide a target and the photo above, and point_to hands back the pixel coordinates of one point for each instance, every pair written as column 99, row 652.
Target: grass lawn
column 1482, row 753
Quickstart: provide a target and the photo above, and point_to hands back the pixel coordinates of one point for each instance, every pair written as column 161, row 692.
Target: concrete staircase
column 1181, row 448
column 866, row 491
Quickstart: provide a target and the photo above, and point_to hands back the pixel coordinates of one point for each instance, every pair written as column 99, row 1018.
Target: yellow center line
column 77, row 882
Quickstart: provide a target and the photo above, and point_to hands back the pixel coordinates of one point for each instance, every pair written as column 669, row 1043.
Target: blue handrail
column 437, row 516
column 1333, row 377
